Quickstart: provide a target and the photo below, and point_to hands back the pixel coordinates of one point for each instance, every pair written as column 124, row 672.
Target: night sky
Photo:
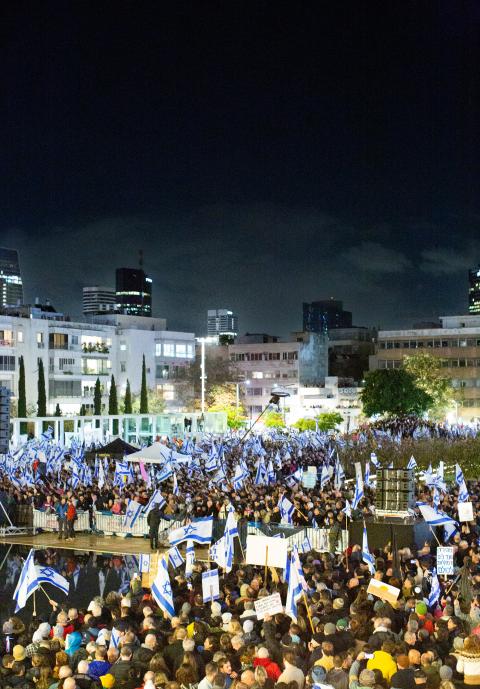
column 261, row 154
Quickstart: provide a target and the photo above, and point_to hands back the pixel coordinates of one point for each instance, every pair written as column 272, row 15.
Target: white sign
column 445, row 560
column 270, row 605
column 210, row 585
column 309, row 480
column 465, row 511
column 384, row 591
column 265, row 550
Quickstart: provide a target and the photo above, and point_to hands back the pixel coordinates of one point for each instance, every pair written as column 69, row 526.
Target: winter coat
column 468, row 663
column 272, row 669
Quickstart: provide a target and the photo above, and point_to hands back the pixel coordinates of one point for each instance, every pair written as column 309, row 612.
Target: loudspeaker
column 5, row 395
column 395, row 489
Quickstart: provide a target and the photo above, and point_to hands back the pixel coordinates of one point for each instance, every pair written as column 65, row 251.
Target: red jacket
column 273, row 671
column 71, row 513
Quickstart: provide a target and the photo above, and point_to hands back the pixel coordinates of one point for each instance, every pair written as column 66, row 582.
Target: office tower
column 474, row 290
column 222, row 322
column 325, row 315
column 98, row 300
column 11, row 287
column 133, row 292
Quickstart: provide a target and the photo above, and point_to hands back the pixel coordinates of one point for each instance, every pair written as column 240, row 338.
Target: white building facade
column 74, row 355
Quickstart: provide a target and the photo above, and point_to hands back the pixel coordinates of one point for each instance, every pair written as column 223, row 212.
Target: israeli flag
column 358, row 494
column 48, row 434
column 298, row 565
column 294, row 591
column 238, row 478
column 47, row 575
column 162, row 590
column 261, row 476
column 434, row 517
column 189, row 558
column 28, row 582
column 434, row 590
column 286, row 509
column 450, row 530
column 463, row 495
column 271, row 475
column 164, row 473
column 199, row 531
column 176, row 490
column 278, row 460
column 367, row 474
column 315, row 523
column 347, row 509
column 115, row 637
column 156, row 499
column 436, row 497
column 175, row 557
column 339, row 475
column 144, row 564
column 374, row 459
column 218, row 551
column 306, row 545
column 367, row 557
column 412, row 464
column 324, row 476
column 133, row 512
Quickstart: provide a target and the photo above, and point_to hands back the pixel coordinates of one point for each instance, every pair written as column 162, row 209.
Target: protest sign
column 265, row 550
column 210, row 585
column 445, row 560
column 270, row 605
column 383, row 591
column 465, row 511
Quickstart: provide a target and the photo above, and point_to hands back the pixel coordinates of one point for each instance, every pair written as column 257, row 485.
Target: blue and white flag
column 367, row 557
column 450, row 530
column 324, row 476
column 436, row 497
column 156, row 499
column 176, row 490
column 271, row 474
column 434, row 517
column 164, row 473
column 175, row 557
column 238, row 478
column 261, row 478
column 286, row 509
column 115, row 637
column 374, row 459
column 123, row 473
column 27, row 583
column 306, row 545
column 294, row 591
column 347, row 509
column 339, row 475
column 144, row 564
column 463, row 495
column 199, row 531
column 411, row 463
column 358, row 494
column 133, row 512
column 434, row 590
column 367, row 474
column 162, row 589
column 189, row 558
column 47, row 575
column 48, row 434
column 218, row 551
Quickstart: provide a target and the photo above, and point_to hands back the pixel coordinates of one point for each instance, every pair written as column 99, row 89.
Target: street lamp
column 203, row 341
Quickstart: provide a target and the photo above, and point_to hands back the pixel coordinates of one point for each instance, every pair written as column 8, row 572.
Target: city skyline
column 261, row 156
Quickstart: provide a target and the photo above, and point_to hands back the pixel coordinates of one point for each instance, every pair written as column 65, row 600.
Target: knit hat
column 421, row 608
column 216, row 609
column 329, row 629
column 338, row 604
column 318, row 674
column 248, row 626
column 446, row 673
column 107, row 681
column 18, row 653
column 367, row 678
column 342, row 624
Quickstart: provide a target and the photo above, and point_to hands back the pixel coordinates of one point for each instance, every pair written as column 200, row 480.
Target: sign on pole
column 270, row 605
column 465, row 511
column 210, row 585
column 266, row 551
column 445, row 560
column 383, row 591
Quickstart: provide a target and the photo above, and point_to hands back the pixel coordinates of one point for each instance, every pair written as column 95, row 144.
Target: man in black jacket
column 153, row 521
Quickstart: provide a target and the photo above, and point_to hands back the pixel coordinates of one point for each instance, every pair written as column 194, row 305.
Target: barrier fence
column 113, row 524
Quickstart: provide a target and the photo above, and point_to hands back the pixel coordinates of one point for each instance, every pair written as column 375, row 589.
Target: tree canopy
column 428, row 374
column 393, row 392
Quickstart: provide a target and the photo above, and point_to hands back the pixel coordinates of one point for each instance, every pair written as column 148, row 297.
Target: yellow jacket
column 384, row 662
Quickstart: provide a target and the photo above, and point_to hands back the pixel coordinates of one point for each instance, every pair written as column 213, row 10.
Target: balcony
column 91, row 372
column 92, row 348
column 6, row 343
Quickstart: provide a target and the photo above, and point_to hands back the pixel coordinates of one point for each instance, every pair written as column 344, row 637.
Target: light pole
column 203, row 341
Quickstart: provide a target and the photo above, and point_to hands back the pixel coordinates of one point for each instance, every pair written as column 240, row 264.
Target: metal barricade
column 47, row 521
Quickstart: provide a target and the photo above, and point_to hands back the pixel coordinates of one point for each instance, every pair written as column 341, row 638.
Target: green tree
column 274, row 419
column 83, row 410
column 328, row 421
column 428, row 374
column 97, row 398
column 58, row 411
column 155, row 403
column 127, row 402
column 42, row 395
column 305, row 424
column 221, row 376
column 112, row 397
column 144, row 390
column 393, row 392
column 22, row 395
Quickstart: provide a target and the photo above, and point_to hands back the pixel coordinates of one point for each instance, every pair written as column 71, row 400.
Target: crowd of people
column 109, row 631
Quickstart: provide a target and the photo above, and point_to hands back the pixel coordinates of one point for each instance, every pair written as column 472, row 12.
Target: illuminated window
column 181, row 350
column 20, row 336
column 257, row 374
column 158, row 349
column 168, row 349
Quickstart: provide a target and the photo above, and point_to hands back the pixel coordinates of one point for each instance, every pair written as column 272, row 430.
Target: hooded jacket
column 272, row 669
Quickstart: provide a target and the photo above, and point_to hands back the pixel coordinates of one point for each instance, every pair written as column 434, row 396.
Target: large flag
column 47, row 575
column 189, row 558
column 261, row 478
column 366, row 554
column 164, row 473
column 175, row 557
column 134, row 510
column 162, row 590
column 358, row 494
column 347, row 509
column 434, row 517
column 199, row 531
column 218, row 551
column 175, row 490
column 411, row 463
column 156, row 499
column 28, row 582
column 294, row 589
column 324, row 476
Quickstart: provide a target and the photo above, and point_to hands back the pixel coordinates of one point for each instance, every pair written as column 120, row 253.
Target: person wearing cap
column 360, row 679
column 318, row 677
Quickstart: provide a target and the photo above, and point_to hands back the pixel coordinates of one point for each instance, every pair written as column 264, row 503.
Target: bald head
column 69, row 683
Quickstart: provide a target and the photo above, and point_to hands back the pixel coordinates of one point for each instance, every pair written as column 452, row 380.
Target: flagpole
column 308, row 612
column 434, row 535
column 34, row 604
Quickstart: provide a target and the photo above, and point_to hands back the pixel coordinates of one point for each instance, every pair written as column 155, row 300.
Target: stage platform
column 92, row 543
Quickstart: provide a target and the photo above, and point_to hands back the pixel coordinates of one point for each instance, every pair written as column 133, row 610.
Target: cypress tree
column 58, row 411
column 143, row 390
column 127, row 402
column 112, row 398
column 97, row 398
column 22, row 396
column 42, row 395
column 83, row 411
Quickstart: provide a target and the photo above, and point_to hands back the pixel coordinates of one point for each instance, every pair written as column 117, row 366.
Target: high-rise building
column 98, row 300
column 11, row 287
column 222, row 322
column 474, row 290
column 133, row 292
column 325, row 315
